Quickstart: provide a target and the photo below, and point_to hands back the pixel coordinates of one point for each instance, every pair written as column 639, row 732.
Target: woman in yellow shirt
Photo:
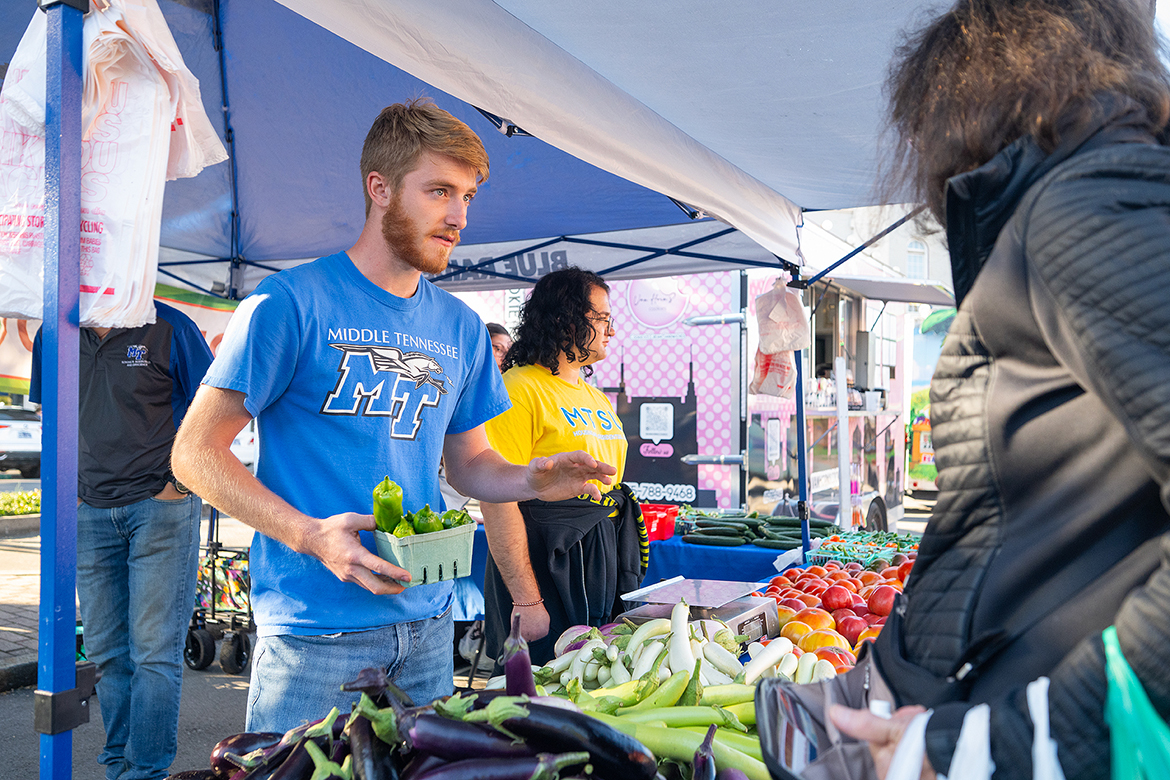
column 583, row 552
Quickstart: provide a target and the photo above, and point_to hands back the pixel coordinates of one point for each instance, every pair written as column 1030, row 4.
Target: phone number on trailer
column 654, row 491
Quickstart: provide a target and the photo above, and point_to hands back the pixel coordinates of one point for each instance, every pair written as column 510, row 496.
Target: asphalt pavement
column 212, row 705
column 212, row 708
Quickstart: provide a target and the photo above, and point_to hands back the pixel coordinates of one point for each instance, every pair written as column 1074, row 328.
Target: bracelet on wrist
column 528, row 603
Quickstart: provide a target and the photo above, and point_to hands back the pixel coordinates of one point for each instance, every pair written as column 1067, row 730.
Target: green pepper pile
column 389, row 517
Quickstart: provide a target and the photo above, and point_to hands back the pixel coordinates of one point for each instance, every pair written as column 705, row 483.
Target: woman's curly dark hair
column 554, row 321
column 988, row 72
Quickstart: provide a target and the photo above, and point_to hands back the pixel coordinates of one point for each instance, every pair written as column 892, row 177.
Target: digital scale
column 750, row 616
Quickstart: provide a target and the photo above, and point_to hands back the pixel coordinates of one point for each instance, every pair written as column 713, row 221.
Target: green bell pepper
column 404, row 528
column 453, row 518
column 387, row 505
column 427, row 520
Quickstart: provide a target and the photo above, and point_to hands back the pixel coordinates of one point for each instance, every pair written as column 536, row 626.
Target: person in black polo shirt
column 137, row 529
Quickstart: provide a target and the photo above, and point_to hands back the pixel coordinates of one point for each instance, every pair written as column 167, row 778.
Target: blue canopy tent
column 643, row 119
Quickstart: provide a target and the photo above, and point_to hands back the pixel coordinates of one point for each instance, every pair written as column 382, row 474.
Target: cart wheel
column 235, row 652
column 200, row 648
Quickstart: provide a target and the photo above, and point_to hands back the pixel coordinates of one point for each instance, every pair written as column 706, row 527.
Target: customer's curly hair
column 554, row 321
column 988, row 72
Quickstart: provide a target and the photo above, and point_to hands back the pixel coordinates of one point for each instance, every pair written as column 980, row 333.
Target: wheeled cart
column 223, row 610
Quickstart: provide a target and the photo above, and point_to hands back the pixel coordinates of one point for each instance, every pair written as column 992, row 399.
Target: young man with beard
column 355, row 367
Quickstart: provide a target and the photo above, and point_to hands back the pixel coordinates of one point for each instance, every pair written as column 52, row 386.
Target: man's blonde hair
column 403, row 131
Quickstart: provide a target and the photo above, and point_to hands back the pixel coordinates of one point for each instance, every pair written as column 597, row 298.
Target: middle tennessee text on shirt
column 592, row 418
column 368, row 359
column 394, row 338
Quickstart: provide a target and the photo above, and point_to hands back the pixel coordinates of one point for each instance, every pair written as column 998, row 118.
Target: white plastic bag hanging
column 783, row 323
column 137, row 96
column 783, row 328
column 774, row 374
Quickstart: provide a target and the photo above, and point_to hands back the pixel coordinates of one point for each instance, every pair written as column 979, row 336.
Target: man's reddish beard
column 408, row 242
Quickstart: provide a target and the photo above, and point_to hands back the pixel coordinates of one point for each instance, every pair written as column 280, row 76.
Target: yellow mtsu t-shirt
column 549, row 415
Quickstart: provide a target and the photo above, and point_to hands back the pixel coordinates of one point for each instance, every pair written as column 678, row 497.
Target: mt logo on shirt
column 418, row 383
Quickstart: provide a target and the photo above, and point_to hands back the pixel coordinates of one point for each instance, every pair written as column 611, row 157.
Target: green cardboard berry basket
column 430, row 557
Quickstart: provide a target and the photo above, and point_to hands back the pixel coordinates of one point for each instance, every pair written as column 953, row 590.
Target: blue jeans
column 136, row 569
column 299, row 678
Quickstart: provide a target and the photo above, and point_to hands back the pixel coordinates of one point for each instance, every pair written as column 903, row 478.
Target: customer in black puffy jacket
column 1033, row 130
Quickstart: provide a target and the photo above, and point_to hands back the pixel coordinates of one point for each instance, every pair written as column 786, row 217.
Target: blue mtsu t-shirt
column 348, row 384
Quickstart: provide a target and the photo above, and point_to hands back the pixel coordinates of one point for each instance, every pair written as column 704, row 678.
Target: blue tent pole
column 56, row 660
column 801, row 450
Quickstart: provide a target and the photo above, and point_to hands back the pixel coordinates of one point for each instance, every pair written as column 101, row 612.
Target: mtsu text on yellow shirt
column 549, row 415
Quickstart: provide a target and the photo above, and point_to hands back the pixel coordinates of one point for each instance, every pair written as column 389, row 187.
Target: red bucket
column 659, row 519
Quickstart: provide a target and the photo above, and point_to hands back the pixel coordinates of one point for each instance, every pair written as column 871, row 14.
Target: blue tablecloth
column 668, row 558
column 745, row 563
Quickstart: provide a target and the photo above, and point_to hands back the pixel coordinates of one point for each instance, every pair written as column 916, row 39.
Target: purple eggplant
column 373, row 759
column 517, row 663
column 421, row 764
column 268, row 764
column 555, row 730
column 454, row 740
column 703, row 767
column 374, row 683
column 238, row 745
column 730, row 773
column 545, row 766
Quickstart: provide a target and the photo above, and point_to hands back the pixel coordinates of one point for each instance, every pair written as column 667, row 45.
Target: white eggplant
column 787, row 666
column 645, row 632
column 681, row 657
column 804, row 668
column 765, row 658
column 647, row 658
column 618, row 673
column 721, row 659
column 583, row 657
column 713, row 674
column 823, row 670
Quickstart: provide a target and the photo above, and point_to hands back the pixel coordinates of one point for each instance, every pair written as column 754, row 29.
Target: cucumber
column 778, row 544
column 770, row 534
column 717, row 532
column 719, row 541
column 721, row 524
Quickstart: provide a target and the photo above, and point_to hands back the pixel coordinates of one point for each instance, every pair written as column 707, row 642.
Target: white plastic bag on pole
column 783, row 328
column 137, row 96
column 783, row 324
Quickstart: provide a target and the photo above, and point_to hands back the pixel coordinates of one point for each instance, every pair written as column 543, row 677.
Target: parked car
column 20, row 441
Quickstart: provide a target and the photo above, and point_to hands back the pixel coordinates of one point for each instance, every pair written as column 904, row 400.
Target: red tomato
column 837, row 597
column 838, row 614
column 881, row 601
column 851, row 628
column 904, row 570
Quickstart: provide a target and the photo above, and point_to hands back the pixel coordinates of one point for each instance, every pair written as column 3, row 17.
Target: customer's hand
column 566, row 475
column 882, row 734
column 533, row 621
column 335, row 542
